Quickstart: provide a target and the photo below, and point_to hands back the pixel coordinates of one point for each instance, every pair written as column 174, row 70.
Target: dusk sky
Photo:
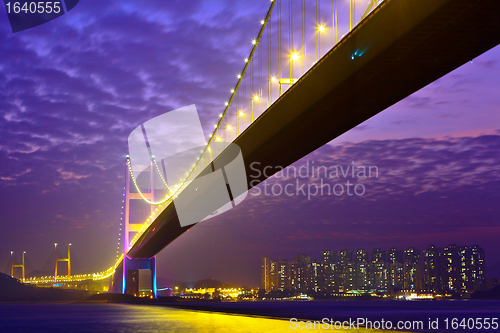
column 73, row 89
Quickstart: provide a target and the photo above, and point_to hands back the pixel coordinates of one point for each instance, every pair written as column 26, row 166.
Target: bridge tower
column 131, row 266
column 18, row 266
column 68, row 260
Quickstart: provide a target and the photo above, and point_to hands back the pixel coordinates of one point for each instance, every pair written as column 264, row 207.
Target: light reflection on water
column 130, row 318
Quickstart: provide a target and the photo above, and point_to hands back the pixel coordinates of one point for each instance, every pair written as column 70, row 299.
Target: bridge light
column 246, row 59
column 228, row 127
column 294, row 56
column 254, row 42
column 262, row 22
column 273, row 79
column 256, row 98
column 239, row 76
column 232, row 91
column 241, row 114
column 218, row 138
column 321, row 28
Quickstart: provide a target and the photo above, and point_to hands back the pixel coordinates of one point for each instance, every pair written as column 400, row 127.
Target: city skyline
column 449, row 270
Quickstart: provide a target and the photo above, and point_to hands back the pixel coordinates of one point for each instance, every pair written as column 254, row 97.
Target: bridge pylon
column 131, row 266
column 68, row 260
column 18, row 266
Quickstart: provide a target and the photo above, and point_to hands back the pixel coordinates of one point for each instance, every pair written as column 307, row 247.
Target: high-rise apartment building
column 345, row 271
column 379, row 272
column 432, row 268
column 412, row 270
column 361, row 270
column 302, row 272
column 472, row 270
column 395, row 262
column 266, row 274
column 450, row 269
column 283, row 275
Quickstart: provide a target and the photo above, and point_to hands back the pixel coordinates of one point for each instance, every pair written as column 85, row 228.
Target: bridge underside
column 404, row 46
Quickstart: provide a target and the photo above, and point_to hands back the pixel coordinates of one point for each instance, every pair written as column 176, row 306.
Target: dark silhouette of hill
column 211, row 283
column 493, row 271
column 493, row 293
column 12, row 290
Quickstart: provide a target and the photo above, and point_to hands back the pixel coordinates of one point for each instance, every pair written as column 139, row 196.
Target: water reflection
column 129, row 318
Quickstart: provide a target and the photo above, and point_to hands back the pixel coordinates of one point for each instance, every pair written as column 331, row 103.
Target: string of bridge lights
column 121, row 224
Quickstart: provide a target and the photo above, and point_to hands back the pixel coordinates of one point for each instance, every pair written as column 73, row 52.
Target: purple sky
column 73, row 89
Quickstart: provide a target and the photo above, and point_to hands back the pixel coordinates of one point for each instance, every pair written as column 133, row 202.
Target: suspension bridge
column 315, row 70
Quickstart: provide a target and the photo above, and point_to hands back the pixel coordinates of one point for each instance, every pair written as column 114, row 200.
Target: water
column 99, row 317
column 372, row 310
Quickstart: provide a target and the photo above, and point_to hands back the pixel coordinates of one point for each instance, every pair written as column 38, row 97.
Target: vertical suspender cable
column 304, row 40
column 290, row 38
column 319, row 32
column 261, row 77
column 316, row 30
column 334, row 21
column 279, row 42
column 350, row 15
column 269, row 36
column 354, row 7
